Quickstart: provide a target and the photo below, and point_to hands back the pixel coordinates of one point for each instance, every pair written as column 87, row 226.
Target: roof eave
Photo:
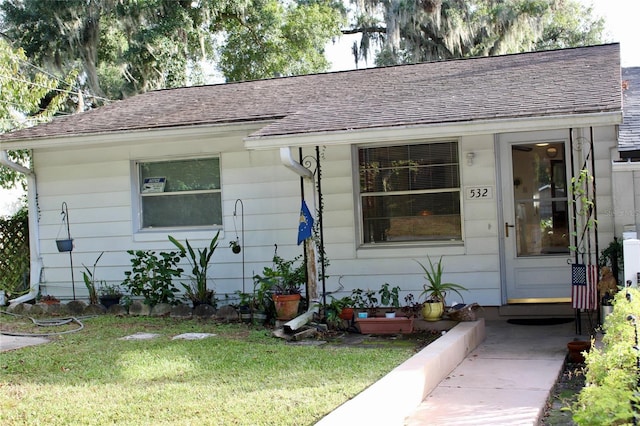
column 136, row 136
column 433, row 130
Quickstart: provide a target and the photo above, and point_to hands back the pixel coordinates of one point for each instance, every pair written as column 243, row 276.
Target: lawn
column 241, row 376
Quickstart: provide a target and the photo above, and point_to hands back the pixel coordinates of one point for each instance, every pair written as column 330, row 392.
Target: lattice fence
column 14, row 254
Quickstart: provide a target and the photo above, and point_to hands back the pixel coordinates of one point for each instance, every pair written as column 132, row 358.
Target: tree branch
column 363, row 30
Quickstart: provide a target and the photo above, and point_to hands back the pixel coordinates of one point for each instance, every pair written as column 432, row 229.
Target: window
column 410, row 193
column 181, row 193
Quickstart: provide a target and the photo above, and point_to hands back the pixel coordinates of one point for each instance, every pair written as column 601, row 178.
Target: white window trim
column 456, row 245
column 157, row 234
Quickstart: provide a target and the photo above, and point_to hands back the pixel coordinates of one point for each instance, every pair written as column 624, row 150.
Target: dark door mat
column 539, row 321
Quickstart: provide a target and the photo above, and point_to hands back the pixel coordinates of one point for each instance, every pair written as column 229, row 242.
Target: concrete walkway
column 479, row 373
column 9, row 343
column 507, row 380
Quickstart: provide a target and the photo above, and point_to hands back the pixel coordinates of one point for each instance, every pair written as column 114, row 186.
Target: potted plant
column 389, row 298
column 88, row 275
column 285, row 280
column 411, row 307
column 340, row 310
column 235, row 246
column 49, row 300
column 369, row 323
column 435, row 291
column 197, row 291
column 109, row 294
column 365, row 301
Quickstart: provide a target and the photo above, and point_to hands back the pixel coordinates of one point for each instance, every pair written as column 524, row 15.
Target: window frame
column 137, row 195
column 359, row 195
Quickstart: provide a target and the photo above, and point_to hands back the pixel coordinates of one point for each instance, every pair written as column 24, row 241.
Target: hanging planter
column 65, row 245
column 235, row 246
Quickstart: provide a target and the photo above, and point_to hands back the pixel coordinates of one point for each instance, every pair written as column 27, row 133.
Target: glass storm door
column 537, row 227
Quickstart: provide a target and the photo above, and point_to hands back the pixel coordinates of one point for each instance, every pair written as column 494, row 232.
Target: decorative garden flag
column 306, row 223
column 584, row 280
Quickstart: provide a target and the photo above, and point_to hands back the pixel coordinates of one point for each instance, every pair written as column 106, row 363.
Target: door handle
column 506, row 229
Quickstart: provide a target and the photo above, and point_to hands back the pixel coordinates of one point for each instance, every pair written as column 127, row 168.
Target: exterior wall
column 96, row 183
column 626, row 196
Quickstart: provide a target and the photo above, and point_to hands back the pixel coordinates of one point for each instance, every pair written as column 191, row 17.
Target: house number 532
column 479, row 192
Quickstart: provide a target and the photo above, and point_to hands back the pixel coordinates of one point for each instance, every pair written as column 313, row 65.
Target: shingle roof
column 629, row 132
column 559, row 82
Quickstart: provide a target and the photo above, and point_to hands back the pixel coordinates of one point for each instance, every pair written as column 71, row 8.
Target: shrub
column 151, row 276
column 611, row 370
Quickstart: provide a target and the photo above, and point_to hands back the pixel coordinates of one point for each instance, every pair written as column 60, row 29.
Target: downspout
column 286, row 157
column 34, row 231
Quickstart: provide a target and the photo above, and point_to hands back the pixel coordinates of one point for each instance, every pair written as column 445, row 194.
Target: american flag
column 584, row 279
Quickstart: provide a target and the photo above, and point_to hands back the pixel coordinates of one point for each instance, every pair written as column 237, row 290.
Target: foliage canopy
column 426, row 30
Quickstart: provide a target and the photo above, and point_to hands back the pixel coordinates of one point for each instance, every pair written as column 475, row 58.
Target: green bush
column 151, row 276
column 611, row 369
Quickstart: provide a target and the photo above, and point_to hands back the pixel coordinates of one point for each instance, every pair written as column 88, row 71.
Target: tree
column 29, row 96
column 277, row 40
column 126, row 47
column 425, row 30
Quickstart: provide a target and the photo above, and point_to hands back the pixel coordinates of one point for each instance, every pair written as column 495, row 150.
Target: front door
column 536, row 222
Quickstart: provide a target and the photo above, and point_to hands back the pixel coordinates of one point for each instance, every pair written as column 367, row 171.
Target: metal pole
column 65, row 218
column 321, row 227
column 235, row 209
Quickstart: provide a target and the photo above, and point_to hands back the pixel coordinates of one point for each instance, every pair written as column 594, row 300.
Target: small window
column 182, row 193
column 410, row 193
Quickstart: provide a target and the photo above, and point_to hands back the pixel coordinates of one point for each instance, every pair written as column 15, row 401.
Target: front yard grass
column 242, row 376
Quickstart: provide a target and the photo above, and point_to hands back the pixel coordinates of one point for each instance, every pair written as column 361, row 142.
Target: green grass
column 242, row 376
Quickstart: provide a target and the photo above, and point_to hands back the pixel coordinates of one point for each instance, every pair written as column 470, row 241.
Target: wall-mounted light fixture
column 552, row 151
column 470, row 157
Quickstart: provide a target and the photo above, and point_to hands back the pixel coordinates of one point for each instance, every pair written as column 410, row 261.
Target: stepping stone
column 140, row 336
column 193, row 336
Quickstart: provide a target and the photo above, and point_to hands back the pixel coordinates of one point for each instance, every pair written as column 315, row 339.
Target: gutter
column 34, row 230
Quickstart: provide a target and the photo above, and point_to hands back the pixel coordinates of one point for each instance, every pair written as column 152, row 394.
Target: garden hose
column 45, row 323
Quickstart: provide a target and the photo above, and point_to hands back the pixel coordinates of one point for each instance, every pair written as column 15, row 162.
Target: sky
column 621, row 25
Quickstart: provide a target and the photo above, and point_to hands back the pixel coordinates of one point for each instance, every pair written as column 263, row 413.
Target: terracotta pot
column 286, row 306
column 576, row 350
column 432, row 311
column 346, row 314
column 378, row 325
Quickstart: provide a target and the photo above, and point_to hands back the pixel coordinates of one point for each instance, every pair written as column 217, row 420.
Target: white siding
column 96, row 183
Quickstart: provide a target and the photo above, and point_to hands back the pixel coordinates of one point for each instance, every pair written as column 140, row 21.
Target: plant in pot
column 49, row 300
column 197, row 291
column 370, row 324
column 339, row 310
column 390, row 298
column 235, row 246
column 109, row 294
column 435, row 291
column 285, row 280
column 411, row 308
column 365, row 301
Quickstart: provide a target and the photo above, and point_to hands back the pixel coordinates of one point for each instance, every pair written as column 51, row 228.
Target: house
column 467, row 159
column 626, row 171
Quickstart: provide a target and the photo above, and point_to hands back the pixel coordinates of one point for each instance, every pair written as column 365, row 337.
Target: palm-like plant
column 198, row 291
column 435, row 289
